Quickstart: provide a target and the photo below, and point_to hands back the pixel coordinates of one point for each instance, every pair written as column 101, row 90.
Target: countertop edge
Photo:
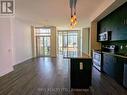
column 115, row 54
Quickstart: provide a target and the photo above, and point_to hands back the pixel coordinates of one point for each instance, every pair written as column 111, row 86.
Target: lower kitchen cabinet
column 119, row 69
column 114, row 67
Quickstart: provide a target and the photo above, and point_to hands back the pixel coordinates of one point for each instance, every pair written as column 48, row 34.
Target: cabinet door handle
column 124, row 21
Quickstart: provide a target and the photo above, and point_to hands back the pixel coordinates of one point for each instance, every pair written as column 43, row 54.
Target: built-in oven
column 97, row 60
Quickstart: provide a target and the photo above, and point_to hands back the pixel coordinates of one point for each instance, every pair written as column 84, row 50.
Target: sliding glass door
column 65, row 44
column 69, row 43
column 72, row 44
column 43, row 46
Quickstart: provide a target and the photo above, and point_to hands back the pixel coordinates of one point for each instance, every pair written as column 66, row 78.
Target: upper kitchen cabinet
column 116, row 22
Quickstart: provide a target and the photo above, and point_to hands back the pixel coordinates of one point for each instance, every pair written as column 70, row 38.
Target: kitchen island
column 80, row 71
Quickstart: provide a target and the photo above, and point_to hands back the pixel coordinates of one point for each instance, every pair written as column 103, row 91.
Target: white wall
column 22, row 41
column 15, row 43
column 6, row 56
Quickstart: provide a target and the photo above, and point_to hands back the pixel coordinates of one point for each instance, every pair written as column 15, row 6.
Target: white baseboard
column 21, row 61
column 6, row 71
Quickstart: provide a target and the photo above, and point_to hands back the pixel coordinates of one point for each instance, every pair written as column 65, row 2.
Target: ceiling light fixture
column 73, row 13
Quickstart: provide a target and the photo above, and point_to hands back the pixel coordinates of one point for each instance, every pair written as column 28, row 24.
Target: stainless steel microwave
column 105, row 36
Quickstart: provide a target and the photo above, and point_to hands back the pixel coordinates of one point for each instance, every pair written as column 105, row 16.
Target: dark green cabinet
column 114, row 66
column 115, row 22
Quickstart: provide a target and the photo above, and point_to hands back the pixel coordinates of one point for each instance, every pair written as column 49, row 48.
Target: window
column 42, row 32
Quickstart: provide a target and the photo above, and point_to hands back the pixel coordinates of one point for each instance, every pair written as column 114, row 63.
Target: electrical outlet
column 81, row 66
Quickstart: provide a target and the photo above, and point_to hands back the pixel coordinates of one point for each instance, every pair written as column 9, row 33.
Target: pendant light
column 73, row 19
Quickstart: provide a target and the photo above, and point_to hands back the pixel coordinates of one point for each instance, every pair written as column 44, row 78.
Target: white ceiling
column 56, row 12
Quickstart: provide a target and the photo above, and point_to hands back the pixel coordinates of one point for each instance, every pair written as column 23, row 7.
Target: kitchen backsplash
column 122, row 45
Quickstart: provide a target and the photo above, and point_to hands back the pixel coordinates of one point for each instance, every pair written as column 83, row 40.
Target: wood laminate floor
column 50, row 76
